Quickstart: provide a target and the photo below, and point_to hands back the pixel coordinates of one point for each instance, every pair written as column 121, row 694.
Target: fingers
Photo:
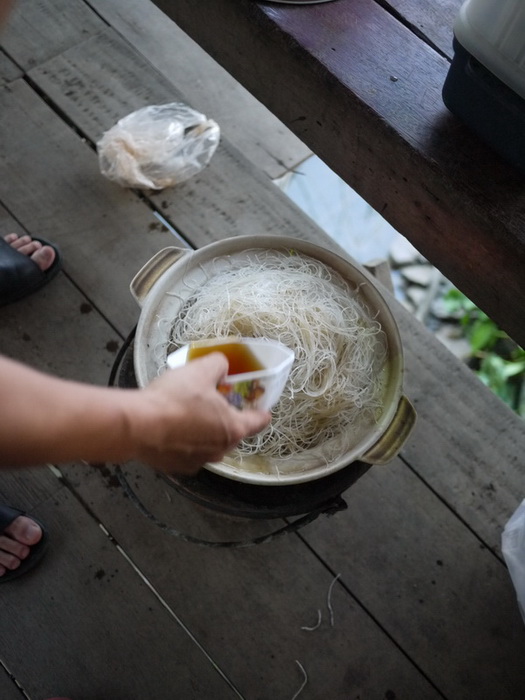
column 252, row 422
column 18, row 242
column 193, row 422
column 188, row 460
column 212, row 367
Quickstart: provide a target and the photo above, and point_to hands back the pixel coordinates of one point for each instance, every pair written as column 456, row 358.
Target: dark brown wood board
column 364, row 92
column 433, row 19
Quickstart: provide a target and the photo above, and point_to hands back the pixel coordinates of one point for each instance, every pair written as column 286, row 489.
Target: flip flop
column 7, row 515
column 20, row 276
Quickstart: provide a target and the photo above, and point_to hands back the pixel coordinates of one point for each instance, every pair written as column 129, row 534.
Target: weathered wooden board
column 230, row 198
column 8, row 70
column 32, row 38
column 248, row 606
column 434, row 19
column 55, row 330
column 257, row 133
column 29, row 327
column 101, row 631
column 441, row 594
column 8, row 687
column 413, row 531
column 364, row 93
column 28, row 489
column 98, row 620
column 39, row 29
column 53, row 186
column 104, row 79
column 467, row 445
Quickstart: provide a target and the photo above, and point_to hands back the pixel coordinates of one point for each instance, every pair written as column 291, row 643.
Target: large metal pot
column 163, row 284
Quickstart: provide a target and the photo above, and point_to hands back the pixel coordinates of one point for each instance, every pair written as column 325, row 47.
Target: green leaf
column 513, row 369
column 483, row 335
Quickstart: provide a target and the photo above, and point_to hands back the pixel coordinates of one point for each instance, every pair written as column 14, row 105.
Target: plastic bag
column 157, row 146
column 513, row 548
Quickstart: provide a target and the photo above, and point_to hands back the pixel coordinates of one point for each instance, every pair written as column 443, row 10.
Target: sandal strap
column 7, row 515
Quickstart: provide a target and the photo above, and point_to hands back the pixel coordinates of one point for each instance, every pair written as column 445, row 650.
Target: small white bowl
column 259, row 389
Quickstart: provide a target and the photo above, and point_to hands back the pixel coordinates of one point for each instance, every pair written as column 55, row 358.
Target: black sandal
column 20, row 276
column 7, row 515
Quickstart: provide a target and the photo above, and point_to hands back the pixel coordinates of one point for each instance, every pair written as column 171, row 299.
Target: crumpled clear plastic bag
column 513, row 548
column 157, row 146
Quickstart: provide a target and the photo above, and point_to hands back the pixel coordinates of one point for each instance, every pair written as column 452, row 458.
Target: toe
column 20, row 241
column 16, row 541
column 23, row 530
column 44, row 257
column 29, row 248
column 12, row 559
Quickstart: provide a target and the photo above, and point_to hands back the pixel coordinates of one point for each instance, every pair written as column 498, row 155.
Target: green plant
column 497, row 360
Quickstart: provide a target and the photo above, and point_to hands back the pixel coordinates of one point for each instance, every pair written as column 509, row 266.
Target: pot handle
column 394, row 437
column 146, row 277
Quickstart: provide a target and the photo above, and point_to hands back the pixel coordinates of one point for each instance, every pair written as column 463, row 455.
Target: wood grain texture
column 261, row 137
column 8, row 70
column 423, row 607
column 84, row 617
column 43, row 30
column 248, row 605
column 365, row 94
column 39, row 29
column 8, row 687
column 104, row 79
column 95, row 617
column 56, row 191
column 434, row 19
column 390, row 547
column 231, row 198
column 467, row 445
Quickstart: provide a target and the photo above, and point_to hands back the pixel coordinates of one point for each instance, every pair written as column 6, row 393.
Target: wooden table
column 359, row 81
column 119, row 609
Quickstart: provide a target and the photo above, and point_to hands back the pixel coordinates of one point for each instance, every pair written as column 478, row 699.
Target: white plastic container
column 260, row 388
column 494, row 32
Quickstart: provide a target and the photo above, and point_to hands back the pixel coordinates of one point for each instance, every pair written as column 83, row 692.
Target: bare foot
column 42, row 255
column 16, row 541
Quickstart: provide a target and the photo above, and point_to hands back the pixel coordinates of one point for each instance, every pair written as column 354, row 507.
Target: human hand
column 180, row 421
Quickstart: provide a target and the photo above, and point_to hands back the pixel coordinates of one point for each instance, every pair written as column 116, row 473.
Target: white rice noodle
column 336, row 379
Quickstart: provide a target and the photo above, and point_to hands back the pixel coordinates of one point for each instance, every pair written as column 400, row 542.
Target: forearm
column 43, row 418
column 178, row 423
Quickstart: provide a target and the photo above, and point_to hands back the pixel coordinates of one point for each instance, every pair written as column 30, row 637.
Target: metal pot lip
column 350, row 269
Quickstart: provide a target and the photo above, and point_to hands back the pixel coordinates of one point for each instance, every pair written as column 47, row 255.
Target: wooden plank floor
column 119, row 609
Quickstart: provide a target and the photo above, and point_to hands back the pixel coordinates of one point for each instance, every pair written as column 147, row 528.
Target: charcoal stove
column 308, row 500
